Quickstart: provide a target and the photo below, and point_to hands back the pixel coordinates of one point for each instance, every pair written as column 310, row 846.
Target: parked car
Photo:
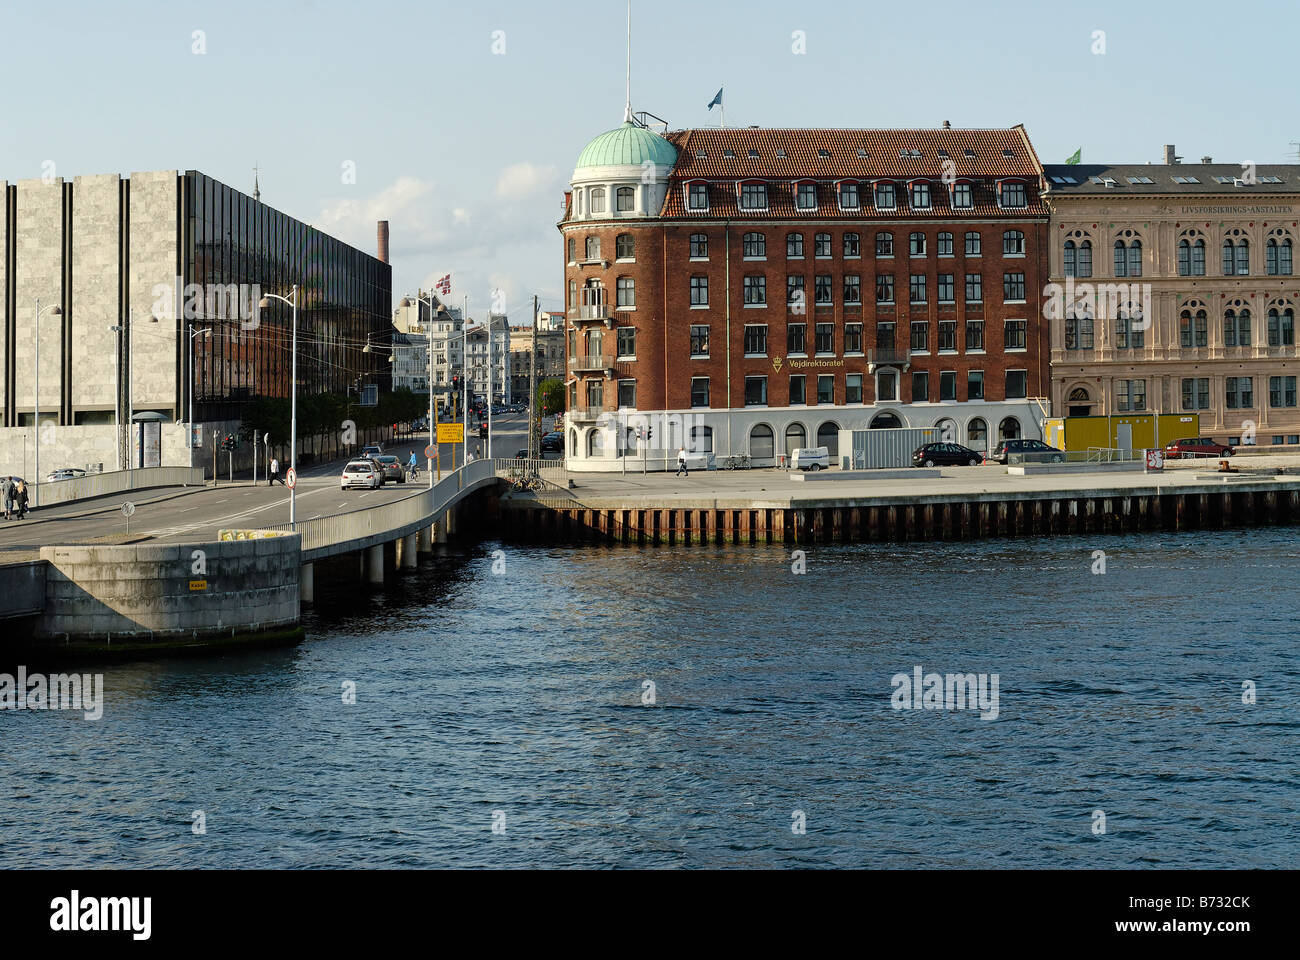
column 553, row 441
column 946, row 455
column 1197, row 447
column 67, row 473
column 1032, row 451
column 372, row 450
column 521, row 455
column 361, row 473
column 392, row 468
column 811, row 458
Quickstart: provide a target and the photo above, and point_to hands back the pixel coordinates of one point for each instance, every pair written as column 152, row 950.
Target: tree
column 550, row 397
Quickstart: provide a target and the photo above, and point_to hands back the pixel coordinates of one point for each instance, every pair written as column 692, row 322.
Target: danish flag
column 443, row 286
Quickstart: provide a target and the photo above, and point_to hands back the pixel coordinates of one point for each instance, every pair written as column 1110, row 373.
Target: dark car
column 946, row 455
column 1197, row 447
column 553, row 441
column 1028, row 451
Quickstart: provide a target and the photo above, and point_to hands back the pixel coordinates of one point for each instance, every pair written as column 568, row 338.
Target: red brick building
column 755, row 290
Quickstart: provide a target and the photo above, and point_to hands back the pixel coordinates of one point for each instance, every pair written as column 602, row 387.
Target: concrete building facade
column 550, row 358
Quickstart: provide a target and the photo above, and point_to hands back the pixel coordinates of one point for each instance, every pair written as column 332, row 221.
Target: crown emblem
column 776, row 364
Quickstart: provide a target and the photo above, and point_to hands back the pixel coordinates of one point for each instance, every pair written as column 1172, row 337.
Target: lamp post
column 56, row 311
column 207, row 332
column 292, row 300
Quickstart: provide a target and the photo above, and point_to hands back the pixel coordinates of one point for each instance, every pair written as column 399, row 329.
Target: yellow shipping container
column 1130, row 431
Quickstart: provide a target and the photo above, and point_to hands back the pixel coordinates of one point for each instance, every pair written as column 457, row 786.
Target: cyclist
column 413, row 466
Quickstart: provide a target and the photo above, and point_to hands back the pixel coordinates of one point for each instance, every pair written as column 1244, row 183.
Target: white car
column 362, row 473
column 67, row 473
column 811, row 458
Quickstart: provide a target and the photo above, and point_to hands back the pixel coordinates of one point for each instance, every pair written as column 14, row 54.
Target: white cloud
column 522, row 179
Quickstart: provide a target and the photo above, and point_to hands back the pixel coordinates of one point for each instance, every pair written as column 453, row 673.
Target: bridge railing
column 117, row 481
column 553, row 474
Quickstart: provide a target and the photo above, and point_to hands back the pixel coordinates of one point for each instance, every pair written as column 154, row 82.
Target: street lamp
column 428, row 338
column 207, row 332
column 264, row 304
column 55, row 311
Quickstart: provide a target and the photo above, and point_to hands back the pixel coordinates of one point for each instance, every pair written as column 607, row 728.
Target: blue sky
column 467, row 151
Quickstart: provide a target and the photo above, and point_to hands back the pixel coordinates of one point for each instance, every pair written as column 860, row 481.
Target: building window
column 1191, row 258
column 1281, row 327
column 699, row 246
column 806, row 196
column 754, row 246
column 762, row 442
column 852, row 338
column 1128, row 259
column 755, row 289
column 1236, row 328
column 1130, row 395
column 916, row 288
column 822, row 289
column 699, row 291
column 852, row 245
column 593, row 248
column 625, row 246
column 920, row 336
column 916, row 245
column 627, row 394
column 1281, row 391
column 1013, row 195
column 948, row 336
column 1017, row 384
column 595, row 394
column 947, row 292
column 1196, row 393
column 1013, row 287
column 794, row 246
column 699, row 340
column 794, row 437
column 849, row 196
column 1013, row 333
column 1236, row 258
column 974, row 288
column 756, row 340
column 573, row 249
column 573, row 292
column 697, row 196
column 974, row 244
column 961, row 196
column 852, row 289
column 1078, row 258
column 885, row 288
column 884, row 244
column 920, row 387
column 920, row 196
column 977, row 433
column 975, row 385
column 822, row 245
column 825, row 338
column 627, row 343
column 1013, row 243
column 853, row 388
column 826, row 388
column 1127, row 334
column 794, row 291
column 753, row 196
column 598, row 200
column 943, row 244
column 1009, row 429
column 795, row 343
column 975, row 335
column 625, row 199
column 699, row 391
column 1277, row 257
column 885, row 199
column 756, row 391
column 885, row 337
column 1239, row 393
column 1193, row 331
column 947, row 385
column 626, row 292
column 887, row 386
column 798, row 391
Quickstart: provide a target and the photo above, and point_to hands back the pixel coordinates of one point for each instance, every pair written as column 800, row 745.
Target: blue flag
column 716, row 101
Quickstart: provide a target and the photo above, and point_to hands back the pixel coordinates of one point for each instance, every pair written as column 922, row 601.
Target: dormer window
column 885, row 196
column 753, row 196
column 1012, row 194
column 848, row 195
column 823, row 154
column 920, row 195
column 962, row 198
column 597, row 199
column 780, row 152
column 701, row 154
column 625, row 199
column 753, row 154
column 969, row 154
column 697, row 196
column 805, row 196
column 729, row 154
column 862, row 154
column 1008, row 154
column 943, row 154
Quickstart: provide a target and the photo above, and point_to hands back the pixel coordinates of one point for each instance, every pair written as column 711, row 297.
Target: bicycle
column 740, row 462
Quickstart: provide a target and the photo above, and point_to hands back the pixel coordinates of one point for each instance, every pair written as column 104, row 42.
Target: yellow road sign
column 198, row 584
column 451, row 433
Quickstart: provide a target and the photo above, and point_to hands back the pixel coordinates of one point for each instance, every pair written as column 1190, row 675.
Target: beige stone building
column 550, row 357
column 1174, row 291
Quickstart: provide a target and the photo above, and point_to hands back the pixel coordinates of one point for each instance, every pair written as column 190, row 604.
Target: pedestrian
column 681, row 463
column 21, row 498
column 274, row 475
column 9, row 496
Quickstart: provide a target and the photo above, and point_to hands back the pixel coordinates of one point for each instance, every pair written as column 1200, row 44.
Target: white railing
column 525, row 474
column 117, row 481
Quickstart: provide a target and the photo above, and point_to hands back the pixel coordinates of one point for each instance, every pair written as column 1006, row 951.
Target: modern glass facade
column 345, row 301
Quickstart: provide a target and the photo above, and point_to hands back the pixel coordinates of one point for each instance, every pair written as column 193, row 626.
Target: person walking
column 412, row 466
column 274, row 475
column 8, row 492
column 20, row 497
column 681, row 463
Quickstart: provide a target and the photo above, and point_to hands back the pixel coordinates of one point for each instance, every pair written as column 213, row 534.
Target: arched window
column 1236, row 254
column 625, row 246
column 1193, row 329
column 977, row 434
column 761, row 443
column 828, row 436
column 1281, row 327
column 593, row 248
column 573, row 440
column 1121, row 259
column 1135, row 258
column 629, row 440
column 1013, row 243
column 1236, row 327
column 1277, row 257
column 1009, row 429
column 1078, row 255
column 597, row 199
column 885, row 421
column 596, row 443
column 701, row 440
column 795, row 437
column 884, row 244
column 699, row 246
column 1191, row 257
column 625, row 199
column 947, row 430
column 754, row 245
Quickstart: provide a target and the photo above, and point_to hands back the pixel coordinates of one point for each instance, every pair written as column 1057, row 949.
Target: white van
column 811, row 458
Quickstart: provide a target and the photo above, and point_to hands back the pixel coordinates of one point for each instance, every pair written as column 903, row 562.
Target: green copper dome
column 629, row 145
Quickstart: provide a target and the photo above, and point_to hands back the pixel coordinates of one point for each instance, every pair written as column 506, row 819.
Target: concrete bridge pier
column 372, row 564
column 424, row 540
column 407, row 557
column 307, row 587
column 440, row 530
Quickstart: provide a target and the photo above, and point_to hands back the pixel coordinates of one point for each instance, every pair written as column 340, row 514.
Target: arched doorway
column 977, row 435
column 762, row 443
column 1079, row 403
column 1009, row 429
column 885, row 421
column 828, row 436
column 795, row 437
column 947, row 430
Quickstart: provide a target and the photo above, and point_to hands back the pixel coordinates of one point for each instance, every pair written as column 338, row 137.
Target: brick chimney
column 1169, row 154
column 383, row 240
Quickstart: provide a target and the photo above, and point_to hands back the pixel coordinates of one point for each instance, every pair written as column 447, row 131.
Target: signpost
column 128, row 508
column 291, row 478
column 433, row 453
column 1155, row 460
column 452, row 433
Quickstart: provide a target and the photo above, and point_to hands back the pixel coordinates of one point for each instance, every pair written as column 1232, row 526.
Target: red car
column 1197, row 447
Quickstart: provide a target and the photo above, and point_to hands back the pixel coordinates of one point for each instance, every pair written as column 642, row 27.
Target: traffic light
column 229, row 443
column 649, row 432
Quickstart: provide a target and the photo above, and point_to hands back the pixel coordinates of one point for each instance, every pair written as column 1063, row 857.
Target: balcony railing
column 600, row 312
column 888, row 357
column 584, row 414
column 590, row 364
